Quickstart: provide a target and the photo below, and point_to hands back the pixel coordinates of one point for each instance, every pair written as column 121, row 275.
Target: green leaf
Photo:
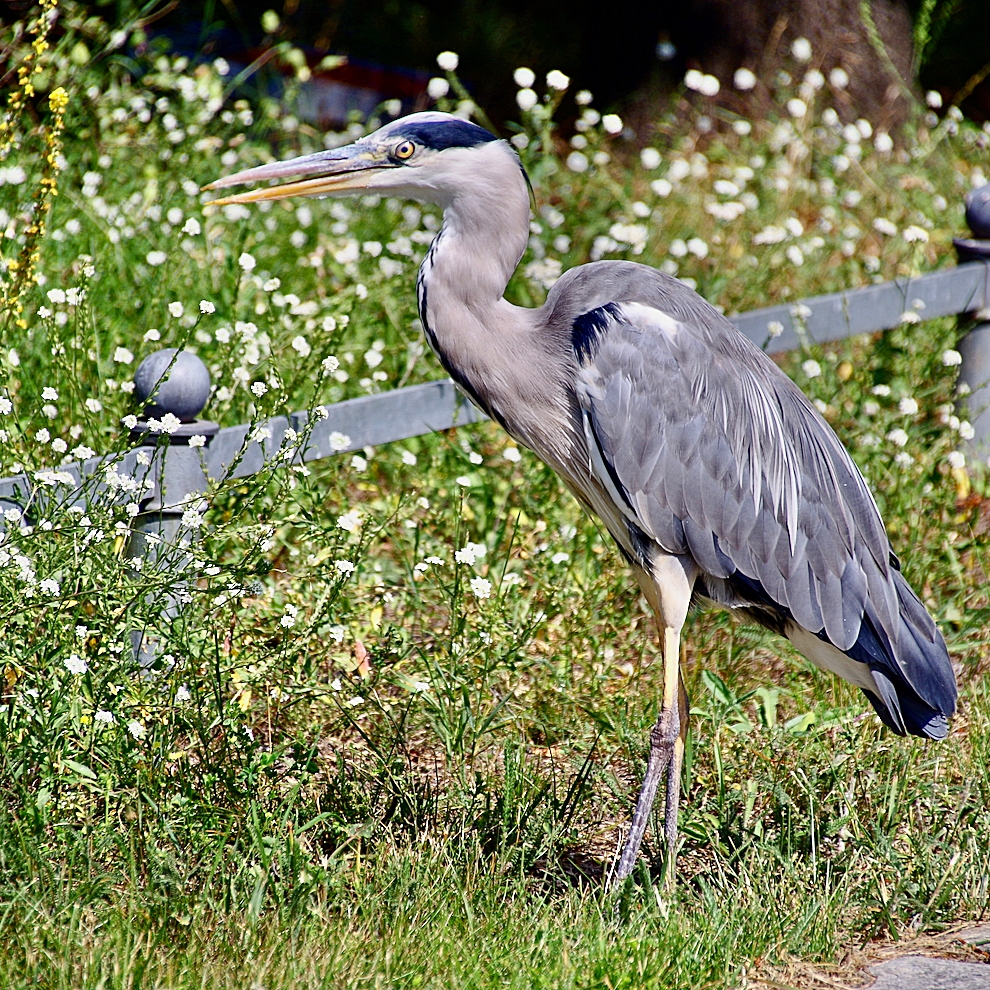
column 801, row 723
column 718, row 689
column 80, row 769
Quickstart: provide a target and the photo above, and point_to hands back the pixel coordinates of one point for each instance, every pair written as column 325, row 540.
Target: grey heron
column 717, row 478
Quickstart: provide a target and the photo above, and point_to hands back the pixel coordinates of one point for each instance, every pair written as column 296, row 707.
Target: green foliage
column 393, row 729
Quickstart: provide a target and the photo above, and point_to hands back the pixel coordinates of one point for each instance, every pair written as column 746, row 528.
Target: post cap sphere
column 184, row 392
column 978, row 212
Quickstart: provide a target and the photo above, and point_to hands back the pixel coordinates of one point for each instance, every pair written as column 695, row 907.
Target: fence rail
column 420, row 409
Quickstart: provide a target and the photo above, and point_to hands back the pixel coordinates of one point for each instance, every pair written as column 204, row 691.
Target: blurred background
column 351, row 55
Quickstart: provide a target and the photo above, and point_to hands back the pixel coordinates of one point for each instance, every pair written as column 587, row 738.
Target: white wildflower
column 701, row 82
column 470, row 552
column 206, row 307
column 801, row 49
column 951, row 358
column 577, row 162
column 908, row 406
column 247, row 262
column 524, row 78
column 75, row 664
column 481, row 588
column 526, row 99
column 956, row 459
column 898, row 437
column 811, row 368
column 192, row 519
column 839, row 78
column 557, row 80
column 697, row 247
column 883, row 142
column 650, row 158
column 176, row 309
column 350, row 521
column 744, row 79
column 344, row 566
column 338, row 441
column 448, row 61
column 612, row 123
column 437, row 88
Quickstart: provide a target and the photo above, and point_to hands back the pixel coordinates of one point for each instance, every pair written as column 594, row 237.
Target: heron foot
column 665, row 754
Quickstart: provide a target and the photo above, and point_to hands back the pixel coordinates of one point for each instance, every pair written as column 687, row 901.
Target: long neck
column 463, row 278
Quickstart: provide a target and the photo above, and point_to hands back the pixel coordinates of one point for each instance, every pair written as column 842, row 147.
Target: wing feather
column 694, row 428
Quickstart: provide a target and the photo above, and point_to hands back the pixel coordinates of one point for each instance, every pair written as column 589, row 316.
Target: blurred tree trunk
column 870, row 39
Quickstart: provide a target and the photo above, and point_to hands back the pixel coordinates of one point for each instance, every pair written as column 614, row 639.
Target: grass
column 354, row 764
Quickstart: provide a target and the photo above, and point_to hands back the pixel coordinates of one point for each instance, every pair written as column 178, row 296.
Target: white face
column 424, row 156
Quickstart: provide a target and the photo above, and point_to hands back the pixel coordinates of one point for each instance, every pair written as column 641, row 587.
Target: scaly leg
column 674, row 782
column 664, row 739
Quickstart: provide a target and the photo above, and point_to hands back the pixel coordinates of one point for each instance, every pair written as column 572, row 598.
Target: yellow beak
column 340, row 170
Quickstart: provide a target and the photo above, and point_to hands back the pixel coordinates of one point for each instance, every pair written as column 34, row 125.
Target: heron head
column 424, row 156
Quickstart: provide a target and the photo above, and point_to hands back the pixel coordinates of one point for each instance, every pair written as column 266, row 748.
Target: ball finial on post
column 173, row 381
column 978, row 212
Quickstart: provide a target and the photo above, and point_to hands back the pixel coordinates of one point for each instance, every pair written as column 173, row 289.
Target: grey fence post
column 975, row 346
column 173, row 384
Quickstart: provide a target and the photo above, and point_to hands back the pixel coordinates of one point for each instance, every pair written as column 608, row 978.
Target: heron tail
column 915, row 683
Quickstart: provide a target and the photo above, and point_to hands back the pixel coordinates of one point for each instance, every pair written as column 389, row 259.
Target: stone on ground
column 922, row 973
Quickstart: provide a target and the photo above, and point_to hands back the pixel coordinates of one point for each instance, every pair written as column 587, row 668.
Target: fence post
column 975, row 346
column 173, row 384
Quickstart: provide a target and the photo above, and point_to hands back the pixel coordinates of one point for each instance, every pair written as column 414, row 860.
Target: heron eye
column 404, row 150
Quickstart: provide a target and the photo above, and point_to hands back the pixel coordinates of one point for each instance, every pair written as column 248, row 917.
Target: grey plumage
column 716, row 477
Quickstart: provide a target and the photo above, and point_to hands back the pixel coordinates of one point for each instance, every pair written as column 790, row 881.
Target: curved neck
column 484, row 234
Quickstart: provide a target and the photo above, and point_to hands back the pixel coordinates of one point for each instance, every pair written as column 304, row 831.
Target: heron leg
column 665, row 740
column 674, row 780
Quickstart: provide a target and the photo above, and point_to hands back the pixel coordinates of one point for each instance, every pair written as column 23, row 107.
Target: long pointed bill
column 325, row 172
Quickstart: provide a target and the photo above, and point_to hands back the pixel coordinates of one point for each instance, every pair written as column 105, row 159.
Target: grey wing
column 714, row 452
